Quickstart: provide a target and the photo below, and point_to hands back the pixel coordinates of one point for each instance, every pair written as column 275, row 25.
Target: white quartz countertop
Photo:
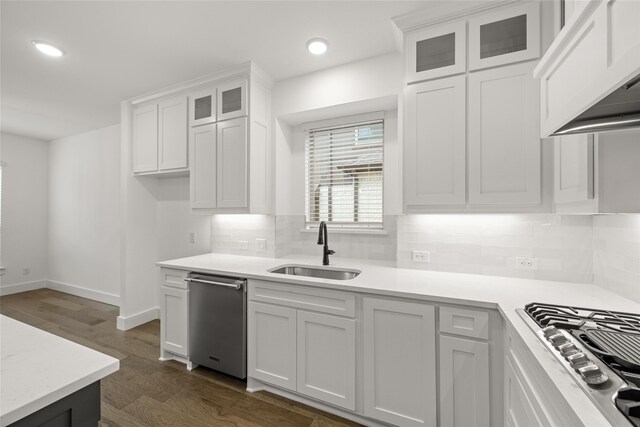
column 39, row 368
column 383, row 278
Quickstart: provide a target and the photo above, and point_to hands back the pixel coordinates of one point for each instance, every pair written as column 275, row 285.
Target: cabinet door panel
column 272, row 344
column 145, row 139
column 435, row 147
column 464, row 382
column 435, row 52
column 202, row 154
column 519, row 411
column 232, row 164
column 174, row 306
column 172, row 137
column 202, row 107
column 232, row 99
column 327, row 358
column 505, row 36
column 573, row 168
column 504, row 141
column 399, row 362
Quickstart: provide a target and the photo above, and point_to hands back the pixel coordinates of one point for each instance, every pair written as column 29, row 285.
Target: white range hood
column 590, row 76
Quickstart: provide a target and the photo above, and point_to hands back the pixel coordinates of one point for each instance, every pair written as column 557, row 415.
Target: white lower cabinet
column 530, row 398
column 174, row 320
column 272, row 344
column 310, row 353
column 519, row 411
column 464, row 382
column 399, row 362
column 327, row 358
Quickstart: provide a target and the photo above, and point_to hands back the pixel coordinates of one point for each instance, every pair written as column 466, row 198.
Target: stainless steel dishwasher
column 218, row 323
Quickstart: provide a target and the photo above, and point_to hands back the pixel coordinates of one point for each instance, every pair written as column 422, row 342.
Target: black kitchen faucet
column 322, row 240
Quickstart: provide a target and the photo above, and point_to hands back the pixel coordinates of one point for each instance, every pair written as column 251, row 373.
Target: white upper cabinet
column 573, row 168
column 435, row 143
column 203, row 155
column 172, row 134
column 231, row 164
column 504, row 139
column 435, row 52
column 232, row 99
column 159, row 137
column 145, row 139
column 505, row 36
column 202, row 107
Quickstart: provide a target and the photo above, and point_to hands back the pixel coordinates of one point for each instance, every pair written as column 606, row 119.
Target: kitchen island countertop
column 39, row 368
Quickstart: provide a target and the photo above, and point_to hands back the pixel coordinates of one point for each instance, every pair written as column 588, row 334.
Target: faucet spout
column 323, row 239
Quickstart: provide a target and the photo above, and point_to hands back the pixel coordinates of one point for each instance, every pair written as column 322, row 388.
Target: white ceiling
column 119, row 49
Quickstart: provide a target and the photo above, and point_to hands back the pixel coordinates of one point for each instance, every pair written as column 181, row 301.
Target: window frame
column 346, row 121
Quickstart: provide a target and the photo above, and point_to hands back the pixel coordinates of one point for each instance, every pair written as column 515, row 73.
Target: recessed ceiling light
column 317, row 46
column 47, row 48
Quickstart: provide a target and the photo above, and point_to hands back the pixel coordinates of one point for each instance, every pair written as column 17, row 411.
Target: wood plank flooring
column 145, row 391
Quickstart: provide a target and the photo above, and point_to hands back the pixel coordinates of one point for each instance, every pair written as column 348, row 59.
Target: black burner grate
column 567, row 317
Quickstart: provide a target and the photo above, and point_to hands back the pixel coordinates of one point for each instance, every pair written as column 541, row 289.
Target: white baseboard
column 84, row 292
column 22, row 287
column 129, row 322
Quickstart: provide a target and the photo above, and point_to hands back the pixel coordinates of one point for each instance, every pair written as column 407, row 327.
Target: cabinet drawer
column 173, row 278
column 300, row 296
column 465, row 322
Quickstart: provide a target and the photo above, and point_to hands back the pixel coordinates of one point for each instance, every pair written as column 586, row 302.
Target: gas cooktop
column 601, row 351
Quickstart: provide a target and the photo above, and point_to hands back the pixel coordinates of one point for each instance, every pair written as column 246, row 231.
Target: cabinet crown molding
column 243, row 70
column 444, row 11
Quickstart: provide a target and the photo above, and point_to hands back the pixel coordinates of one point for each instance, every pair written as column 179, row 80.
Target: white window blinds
column 344, row 175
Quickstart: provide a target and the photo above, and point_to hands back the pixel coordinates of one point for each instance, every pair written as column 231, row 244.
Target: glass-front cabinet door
column 232, row 99
column 505, row 36
column 435, row 52
column 202, row 107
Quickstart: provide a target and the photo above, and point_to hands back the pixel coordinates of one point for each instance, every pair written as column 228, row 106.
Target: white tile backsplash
column 600, row 249
column 227, row 231
column 490, row 244
column 292, row 238
column 616, row 254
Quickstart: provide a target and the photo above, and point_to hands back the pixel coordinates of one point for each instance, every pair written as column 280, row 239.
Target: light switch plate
column 243, row 244
column 261, row 244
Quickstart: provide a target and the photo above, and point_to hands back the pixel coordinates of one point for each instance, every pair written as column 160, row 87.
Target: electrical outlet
column 261, row 244
column 525, row 263
column 26, row 271
column 421, row 256
column 243, row 244
column 192, row 237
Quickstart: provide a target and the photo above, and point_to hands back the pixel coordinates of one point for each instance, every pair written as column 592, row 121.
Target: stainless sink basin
column 320, row 272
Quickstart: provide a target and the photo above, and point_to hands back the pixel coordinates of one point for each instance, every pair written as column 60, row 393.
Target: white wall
column 616, row 254
column 370, row 85
column 24, row 212
column 176, row 221
column 84, row 219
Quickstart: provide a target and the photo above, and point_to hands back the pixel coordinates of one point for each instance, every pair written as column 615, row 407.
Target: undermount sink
column 320, row 272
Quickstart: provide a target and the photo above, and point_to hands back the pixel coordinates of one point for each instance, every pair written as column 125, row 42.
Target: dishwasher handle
column 236, row 285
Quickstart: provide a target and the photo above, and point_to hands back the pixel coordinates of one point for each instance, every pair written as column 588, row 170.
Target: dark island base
column 78, row 409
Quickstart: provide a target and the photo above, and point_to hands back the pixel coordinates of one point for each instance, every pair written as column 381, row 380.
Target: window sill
column 348, row 231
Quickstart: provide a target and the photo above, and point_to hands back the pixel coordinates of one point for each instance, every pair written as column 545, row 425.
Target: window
column 344, row 175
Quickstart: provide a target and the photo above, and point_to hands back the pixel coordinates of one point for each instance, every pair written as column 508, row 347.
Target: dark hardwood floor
column 145, row 391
